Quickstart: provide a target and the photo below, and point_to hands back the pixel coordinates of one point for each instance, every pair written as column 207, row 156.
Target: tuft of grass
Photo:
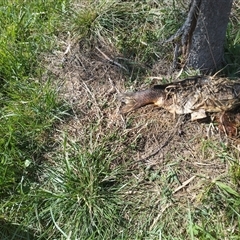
column 218, row 214
column 78, row 196
column 135, row 29
column 29, row 103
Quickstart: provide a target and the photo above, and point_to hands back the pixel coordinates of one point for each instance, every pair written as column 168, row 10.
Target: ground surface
column 161, row 142
column 178, row 176
column 73, row 167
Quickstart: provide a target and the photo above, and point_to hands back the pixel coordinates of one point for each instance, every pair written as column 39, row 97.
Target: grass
column 29, row 103
column 113, row 22
column 232, row 43
column 73, row 171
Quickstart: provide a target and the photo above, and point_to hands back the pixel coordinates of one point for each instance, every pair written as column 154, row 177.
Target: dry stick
column 184, row 184
column 110, row 60
column 159, row 215
column 113, row 86
column 67, row 49
column 155, row 78
column 68, row 44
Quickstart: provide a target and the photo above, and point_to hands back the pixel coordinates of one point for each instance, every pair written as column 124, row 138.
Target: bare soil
column 90, row 83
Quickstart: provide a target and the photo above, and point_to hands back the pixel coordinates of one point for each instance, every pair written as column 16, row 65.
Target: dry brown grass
column 192, row 150
column 170, row 164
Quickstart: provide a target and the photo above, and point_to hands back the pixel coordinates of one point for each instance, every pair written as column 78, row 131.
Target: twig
column 110, row 60
column 68, row 44
column 159, row 215
column 155, row 78
column 184, row 184
column 93, row 98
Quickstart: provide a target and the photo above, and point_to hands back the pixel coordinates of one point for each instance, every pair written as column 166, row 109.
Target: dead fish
column 195, row 95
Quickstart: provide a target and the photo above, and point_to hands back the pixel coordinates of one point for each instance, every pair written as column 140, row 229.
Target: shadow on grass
column 15, row 232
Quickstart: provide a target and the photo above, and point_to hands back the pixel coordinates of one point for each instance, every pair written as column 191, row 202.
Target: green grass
column 29, row 103
column 81, row 187
column 232, row 43
column 56, row 186
column 134, row 29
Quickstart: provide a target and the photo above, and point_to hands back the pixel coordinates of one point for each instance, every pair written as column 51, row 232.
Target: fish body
column 196, row 96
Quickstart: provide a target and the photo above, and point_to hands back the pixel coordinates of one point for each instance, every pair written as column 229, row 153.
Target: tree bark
column 206, row 47
column 202, row 36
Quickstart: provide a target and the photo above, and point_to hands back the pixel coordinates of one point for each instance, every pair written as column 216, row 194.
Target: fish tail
column 135, row 100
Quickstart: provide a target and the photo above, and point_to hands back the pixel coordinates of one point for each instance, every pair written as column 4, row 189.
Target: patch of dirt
column 91, row 83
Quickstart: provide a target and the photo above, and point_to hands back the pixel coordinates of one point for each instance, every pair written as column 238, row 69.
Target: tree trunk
column 202, row 35
column 207, row 42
